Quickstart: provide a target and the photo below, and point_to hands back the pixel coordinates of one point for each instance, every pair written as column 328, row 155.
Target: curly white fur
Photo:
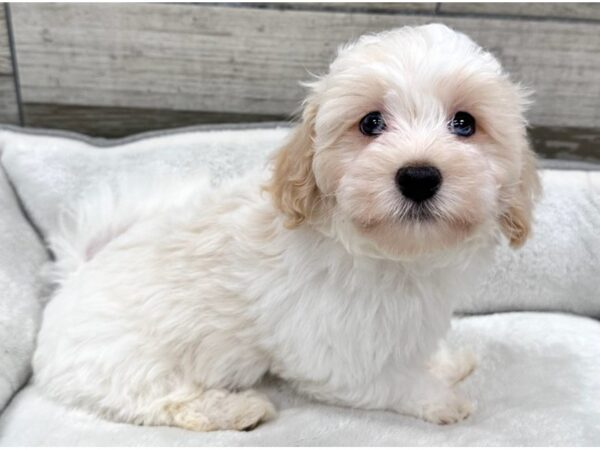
column 174, row 301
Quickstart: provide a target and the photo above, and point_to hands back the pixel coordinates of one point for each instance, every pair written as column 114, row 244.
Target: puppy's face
column 414, row 141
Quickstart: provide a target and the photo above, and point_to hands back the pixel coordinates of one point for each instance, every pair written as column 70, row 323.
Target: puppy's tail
column 99, row 216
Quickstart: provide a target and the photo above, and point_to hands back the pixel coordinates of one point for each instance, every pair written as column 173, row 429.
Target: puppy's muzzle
column 418, row 183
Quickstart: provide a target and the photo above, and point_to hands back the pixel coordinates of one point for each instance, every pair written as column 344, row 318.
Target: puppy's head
column 415, row 141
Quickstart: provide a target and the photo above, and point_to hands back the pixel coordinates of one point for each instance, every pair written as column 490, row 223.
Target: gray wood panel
column 249, row 60
column 9, row 109
column 118, row 122
column 368, row 7
column 560, row 11
column 5, row 58
column 573, row 144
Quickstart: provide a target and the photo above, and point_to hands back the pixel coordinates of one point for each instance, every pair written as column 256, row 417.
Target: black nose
column 418, row 183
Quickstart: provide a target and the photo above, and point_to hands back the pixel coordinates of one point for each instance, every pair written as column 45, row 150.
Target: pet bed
column 533, row 323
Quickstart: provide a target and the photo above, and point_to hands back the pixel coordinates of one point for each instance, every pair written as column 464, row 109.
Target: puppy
column 336, row 268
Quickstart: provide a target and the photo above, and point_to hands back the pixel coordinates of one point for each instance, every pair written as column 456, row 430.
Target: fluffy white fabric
column 52, row 171
column 559, row 268
column 537, row 384
column 520, row 349
column 21, row 256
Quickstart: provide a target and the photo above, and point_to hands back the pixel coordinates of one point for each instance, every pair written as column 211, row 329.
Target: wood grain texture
column 364, row 7
column 111, row 122
column 573, row 144
column 559, row 11
column 249, row 61
column 9, row 109
column 5, row 56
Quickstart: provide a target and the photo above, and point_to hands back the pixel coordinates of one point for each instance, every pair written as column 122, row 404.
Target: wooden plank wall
column 9, row 109
column 114, row 69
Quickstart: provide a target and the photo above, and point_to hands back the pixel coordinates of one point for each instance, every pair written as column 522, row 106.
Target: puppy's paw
column 449, row 410
column 251, row 409
column 218, row 409
column 453, row 366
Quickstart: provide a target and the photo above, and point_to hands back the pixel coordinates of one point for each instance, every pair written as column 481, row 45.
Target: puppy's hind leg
column 219, row 409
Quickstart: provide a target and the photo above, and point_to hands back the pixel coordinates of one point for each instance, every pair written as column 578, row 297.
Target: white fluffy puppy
column 336, row 269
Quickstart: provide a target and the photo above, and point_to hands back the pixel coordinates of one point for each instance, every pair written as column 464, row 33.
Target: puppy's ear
column 293, row 185
column 515, row 222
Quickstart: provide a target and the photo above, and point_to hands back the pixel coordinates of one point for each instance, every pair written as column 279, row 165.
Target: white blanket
column 557, row 270
column 539, row 379
column 21, row 256
column 538, row 384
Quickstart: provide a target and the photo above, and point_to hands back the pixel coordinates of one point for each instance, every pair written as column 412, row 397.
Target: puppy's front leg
column 424, row 395
column 452, row 366
column 415, row 392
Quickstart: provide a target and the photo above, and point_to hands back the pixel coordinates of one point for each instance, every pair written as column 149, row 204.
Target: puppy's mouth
column 407, row 213
column 417, row 212
column 429, row 214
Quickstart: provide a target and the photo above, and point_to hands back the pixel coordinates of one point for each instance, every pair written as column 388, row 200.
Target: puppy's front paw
column 451, row 409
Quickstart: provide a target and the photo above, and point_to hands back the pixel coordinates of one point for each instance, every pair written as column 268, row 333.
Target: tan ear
column 515, row 222
column 293, row 185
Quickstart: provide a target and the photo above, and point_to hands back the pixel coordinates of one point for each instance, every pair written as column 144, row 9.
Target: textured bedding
column 50, row 172
column 21, row 257
column 539, row 378
column 538, row 384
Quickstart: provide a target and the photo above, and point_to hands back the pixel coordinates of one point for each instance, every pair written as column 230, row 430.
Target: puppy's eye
column 462, row 124
column 372, row 124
